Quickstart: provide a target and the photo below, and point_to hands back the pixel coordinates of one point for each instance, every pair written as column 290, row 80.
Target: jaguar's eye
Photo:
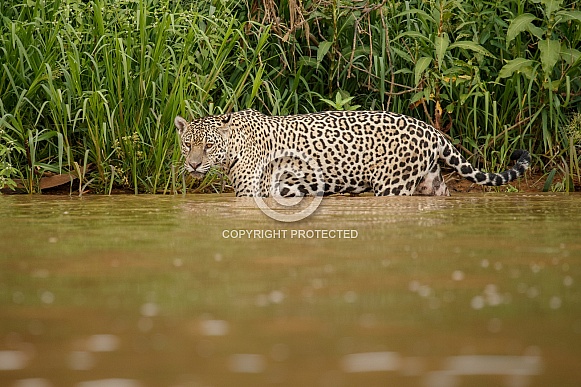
column 209, row 145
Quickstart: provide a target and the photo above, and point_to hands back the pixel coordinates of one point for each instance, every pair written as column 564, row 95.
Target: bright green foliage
column 99, row 82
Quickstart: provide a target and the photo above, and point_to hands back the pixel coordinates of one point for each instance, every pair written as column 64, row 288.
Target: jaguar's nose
column 194, row 165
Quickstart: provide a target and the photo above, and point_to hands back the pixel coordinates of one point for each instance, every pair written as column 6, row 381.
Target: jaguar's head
column 203, row 142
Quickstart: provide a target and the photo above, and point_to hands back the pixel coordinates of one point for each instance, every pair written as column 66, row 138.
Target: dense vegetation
column 92, row 87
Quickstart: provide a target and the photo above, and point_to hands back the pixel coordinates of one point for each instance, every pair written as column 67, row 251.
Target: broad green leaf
column 421, row 66
column 256, row 84
column 441, row 46
column 402, row 54
column 515, row 65
column 551, row 6
column 420, row 14
column 566, row 16
column 470, row 45
column 329, row 102
column 554, row 85
column 519, row 24
column 323, row 50
column 263, row 39
column 570, row 55
column 416, row 97
column 412, row 34
column 538, row 32
column 307, row 61
column 45, row 135
column 403, row 71
column 550, row 51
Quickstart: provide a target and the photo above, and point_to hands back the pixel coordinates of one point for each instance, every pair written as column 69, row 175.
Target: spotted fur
column 329, row 152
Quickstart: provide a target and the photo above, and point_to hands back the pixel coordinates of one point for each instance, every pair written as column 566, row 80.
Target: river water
column 205, row 290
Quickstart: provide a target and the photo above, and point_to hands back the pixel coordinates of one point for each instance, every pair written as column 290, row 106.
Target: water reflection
column 247, row 363
column 214, row 327
column 516, row 370
column 81, row 361
column 32, row 382
column 13, row 360
column 371, row 361
column 147, row 291
column 110, row 383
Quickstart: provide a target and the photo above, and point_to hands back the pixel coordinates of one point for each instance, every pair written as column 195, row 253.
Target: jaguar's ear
column 181, row 124
column 225, row 128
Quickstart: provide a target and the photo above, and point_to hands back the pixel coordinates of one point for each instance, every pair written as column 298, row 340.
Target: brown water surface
column 205, row 290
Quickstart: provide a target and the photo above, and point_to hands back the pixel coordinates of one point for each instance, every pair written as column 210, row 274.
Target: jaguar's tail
column 454, row 159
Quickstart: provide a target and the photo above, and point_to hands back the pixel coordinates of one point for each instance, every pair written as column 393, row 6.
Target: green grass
column 98, row 83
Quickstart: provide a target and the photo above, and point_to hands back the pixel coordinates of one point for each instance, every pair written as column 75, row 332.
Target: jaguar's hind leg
column 432, row 184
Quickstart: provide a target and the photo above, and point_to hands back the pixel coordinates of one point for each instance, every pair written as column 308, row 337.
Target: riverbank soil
column 533, row 181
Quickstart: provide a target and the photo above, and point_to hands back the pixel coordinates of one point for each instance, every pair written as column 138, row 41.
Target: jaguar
column 328, row 153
